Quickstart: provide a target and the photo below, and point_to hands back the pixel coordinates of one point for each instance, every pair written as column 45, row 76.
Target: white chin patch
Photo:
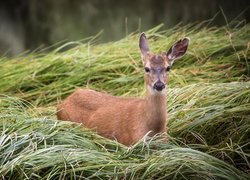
column 153, row 91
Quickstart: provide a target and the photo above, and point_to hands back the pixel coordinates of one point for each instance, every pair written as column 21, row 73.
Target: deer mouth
column 159, row 88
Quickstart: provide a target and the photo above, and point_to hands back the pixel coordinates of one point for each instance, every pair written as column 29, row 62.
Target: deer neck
column 156, row 106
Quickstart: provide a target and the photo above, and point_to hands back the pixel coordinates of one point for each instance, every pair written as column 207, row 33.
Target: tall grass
column 215, row 55
column 208, row 105
column 35, row 147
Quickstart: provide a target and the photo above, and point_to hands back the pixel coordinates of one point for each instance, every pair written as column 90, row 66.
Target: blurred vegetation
column 32, row 23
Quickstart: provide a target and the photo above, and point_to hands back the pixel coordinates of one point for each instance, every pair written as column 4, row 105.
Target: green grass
column 208, row 105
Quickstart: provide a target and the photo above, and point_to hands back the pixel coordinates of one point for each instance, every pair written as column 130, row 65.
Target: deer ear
column 143, row 44
column 178, row 49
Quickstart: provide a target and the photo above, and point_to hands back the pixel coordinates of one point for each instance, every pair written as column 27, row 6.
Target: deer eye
column 167, row 69
column 147, row 70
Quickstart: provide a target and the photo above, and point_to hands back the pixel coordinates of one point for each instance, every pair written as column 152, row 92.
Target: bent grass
column 208, row 105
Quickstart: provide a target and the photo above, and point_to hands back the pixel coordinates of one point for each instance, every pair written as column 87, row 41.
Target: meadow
column 208, row 104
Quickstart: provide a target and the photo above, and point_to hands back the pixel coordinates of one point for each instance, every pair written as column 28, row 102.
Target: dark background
column 29, row 24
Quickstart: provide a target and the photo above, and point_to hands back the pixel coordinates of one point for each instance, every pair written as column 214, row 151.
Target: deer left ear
column 178, row 49
column 143, row 44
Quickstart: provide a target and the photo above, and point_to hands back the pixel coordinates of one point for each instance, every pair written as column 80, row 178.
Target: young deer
column 127, row 119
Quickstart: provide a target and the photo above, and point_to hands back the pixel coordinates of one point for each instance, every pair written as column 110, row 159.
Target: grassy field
column 208, row 101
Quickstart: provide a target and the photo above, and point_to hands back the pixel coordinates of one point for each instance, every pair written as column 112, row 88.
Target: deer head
column 157, row 66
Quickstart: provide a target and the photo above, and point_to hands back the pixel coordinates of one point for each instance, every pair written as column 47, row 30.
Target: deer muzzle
column 159, row 86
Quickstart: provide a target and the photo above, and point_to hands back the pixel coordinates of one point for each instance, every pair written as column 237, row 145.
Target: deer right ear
column 143, row 44
column 178, row 49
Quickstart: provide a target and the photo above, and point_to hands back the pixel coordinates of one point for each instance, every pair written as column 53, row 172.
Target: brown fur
column 125, row 119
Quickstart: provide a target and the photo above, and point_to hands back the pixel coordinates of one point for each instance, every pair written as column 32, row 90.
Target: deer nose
column 159, row 86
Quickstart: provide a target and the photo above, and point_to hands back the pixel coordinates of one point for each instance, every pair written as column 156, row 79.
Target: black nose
column 159, row 86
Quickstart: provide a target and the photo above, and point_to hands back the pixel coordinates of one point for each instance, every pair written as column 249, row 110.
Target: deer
column 127, row 119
